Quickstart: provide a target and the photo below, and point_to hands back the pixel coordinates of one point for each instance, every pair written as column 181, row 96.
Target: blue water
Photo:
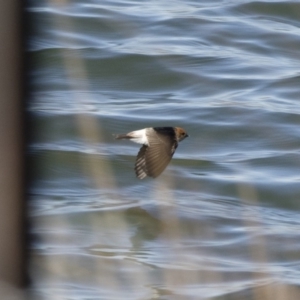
column 222, row 221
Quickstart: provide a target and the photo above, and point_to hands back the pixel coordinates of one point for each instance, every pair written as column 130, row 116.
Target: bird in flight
column 159, row 145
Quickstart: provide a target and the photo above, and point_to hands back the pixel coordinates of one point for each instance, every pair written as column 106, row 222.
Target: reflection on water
column 222, row 221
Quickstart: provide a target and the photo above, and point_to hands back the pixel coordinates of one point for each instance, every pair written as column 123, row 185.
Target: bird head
column 180, row 134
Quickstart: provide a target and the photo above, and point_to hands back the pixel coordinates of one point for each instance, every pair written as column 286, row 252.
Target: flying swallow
column 159, row 145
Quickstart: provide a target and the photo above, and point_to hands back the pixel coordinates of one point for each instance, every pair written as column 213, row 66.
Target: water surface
column 222, row 222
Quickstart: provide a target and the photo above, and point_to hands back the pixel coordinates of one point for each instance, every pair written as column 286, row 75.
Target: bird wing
column 153, row 159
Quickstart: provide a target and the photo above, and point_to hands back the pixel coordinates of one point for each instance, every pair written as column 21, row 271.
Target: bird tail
column 121, row 136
